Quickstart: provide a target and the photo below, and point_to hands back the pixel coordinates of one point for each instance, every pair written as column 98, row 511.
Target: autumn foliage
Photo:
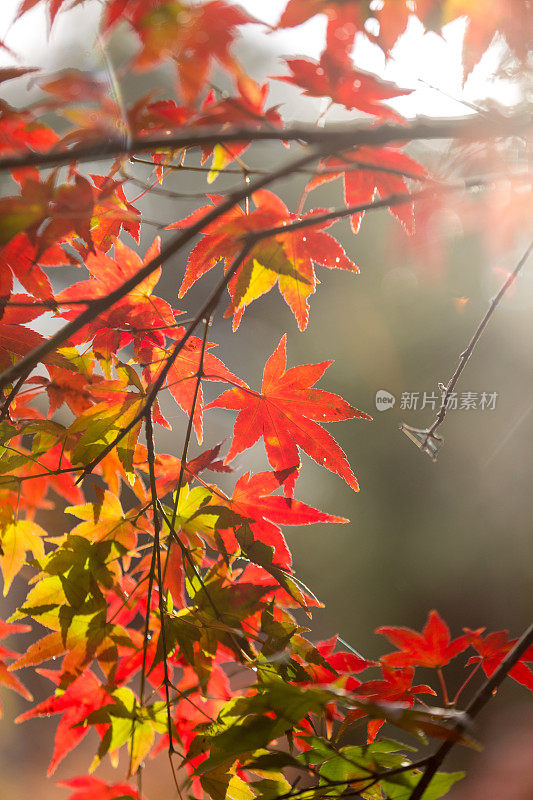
column 165, row 583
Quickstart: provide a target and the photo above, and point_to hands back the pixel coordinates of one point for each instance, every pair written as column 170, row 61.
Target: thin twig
column 199, row 376
column 431, row 438
column 161, row 601
column 190, row 423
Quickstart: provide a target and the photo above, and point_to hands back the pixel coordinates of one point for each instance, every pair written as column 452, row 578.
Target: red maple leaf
column 342, row 663
column 252, row 498
column 194, row 36
column 49, row 214
column 492, row 650
column 286, row 414
column 112, row 211
column 246, row 109
column 370, row 170
column 6, row 677
column 392, row 15
column 134, row 316
column 54, row 6
column 432, row 648
column 84, row 695
column 86, row 787
column 286, row 258
column 513, row 19
column 395, row 687
column 16, row 340
column 344, row 84
column 298, row 11
column 19, row 259
column 19, row 130
column 335, row 76
column 182, row 376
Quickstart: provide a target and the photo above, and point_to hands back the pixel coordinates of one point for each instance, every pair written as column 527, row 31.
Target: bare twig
column 430, row 443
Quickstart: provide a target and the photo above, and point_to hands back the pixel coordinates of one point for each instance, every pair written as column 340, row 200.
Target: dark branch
column 335, row 137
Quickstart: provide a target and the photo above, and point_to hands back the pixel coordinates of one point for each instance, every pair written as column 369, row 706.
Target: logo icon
column 384, row 400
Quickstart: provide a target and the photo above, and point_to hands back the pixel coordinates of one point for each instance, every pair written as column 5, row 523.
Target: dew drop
column 337, row 259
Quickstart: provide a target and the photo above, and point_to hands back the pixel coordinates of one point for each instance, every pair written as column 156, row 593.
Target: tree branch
column 431, row 442
column 336, row 137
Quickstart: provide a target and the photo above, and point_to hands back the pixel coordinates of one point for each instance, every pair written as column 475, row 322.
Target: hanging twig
column 426, row 439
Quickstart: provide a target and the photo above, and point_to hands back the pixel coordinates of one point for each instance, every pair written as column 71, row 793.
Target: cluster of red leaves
column 483, row 19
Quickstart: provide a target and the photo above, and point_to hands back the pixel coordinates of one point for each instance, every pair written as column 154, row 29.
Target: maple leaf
column 24, row 212
column 17, row 537
column 252, row 498
column 335, row 76
column 370, row 170
column 19, row 259
column 333, row 665
column 84, row 695
column 99, row 425
column 54, row 6
column 298, row 11
column 193, row 36
column 285, row 413
column 19, row 130
column 492, row 650
column 49, row 214
column 182, row 376
column 134, row 315
column 6, row 678
column 432, row 648
column 349, row 87
column 394, row 687
column 86, row 787
column 44, row 465
column 246, row 109
column 70, row 85
column 8, row 73
column 392, row 15
column 16, row 340
column 70, row 387
column 168, row 467
column 285, row 259
column 513, row 19
column 111, row 212
column 104, row 519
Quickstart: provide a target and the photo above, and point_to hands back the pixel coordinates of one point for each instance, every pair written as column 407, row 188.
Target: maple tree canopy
column 167, row 616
